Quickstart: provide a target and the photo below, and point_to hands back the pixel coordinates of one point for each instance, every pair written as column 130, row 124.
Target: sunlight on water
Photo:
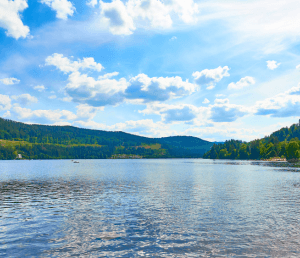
column 162, row 208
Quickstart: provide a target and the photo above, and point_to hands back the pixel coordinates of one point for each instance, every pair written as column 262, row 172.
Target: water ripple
column 160, row 208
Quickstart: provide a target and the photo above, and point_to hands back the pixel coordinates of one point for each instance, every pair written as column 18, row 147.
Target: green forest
column 68, row 142
column 283, row 143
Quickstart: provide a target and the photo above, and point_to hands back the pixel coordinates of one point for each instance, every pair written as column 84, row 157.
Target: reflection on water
column 161, row 208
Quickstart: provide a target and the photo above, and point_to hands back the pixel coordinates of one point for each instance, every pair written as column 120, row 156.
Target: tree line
column 283, row 143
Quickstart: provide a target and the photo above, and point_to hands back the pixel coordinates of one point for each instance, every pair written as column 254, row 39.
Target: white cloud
column 158, row 88
column 172, row 113
column 272, row 64
column 220, row 111
column 222, row 133
column 210, row 77
column 104, row 91
column 285, row 104
column 145, row 127
column 25, row 99
column 92, row 3
column 187, row 10
column 5, row 102
column 42, row 116
column 140, row 127
column 10, row 19
column 244, row 82
column 63, row 8
column 40, row 88
column 173, row 38
column 221, row 101
column 7, row 114
column 123, row 18
column 66, row 65
column 108, row 75
column 154, row 11
column 86, row 112
column 52, row 97
column 10, row 81
column 206, row 101
column 92, row 125
column 298, row 67
column 115, row 15
column 86, row 90
column 220, row 95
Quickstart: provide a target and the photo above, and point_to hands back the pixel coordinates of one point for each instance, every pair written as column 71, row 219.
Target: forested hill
column 283, row 143
column 43, row 141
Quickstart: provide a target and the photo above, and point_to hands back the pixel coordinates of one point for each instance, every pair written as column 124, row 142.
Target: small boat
column 76, row 161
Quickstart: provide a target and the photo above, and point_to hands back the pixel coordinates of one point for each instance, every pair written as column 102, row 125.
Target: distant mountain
column 44, row 141
column 177, row 145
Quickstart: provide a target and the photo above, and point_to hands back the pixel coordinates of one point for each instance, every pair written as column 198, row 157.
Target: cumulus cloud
column 286, row 104
column 272, row 64
column 5, row 102
column 244, row 82
column 52, row 97
column 180, row 114
column 92, row 3
column 210, row 77
column 108, row 75
column 174, row 113
column 63, row 8
column 223, row 111
column 65, row 65
column 123, row 18
column 158, row 88
column 86, row 112
column 187, row 10
column 25, row 99
column 42, row 116
column 220, row 111
column 154, row 11
column 40, row 88
column 226, row 112
column 86, row 90
column 115, row 15
column 10, row 81
column 298, row 67
column 10, row 19
column 206, row 101
column 104, row 91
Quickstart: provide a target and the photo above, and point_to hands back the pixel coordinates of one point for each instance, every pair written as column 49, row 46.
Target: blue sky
column 212, row 69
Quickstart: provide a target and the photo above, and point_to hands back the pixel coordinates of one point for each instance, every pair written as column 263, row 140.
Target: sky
column 213, row 69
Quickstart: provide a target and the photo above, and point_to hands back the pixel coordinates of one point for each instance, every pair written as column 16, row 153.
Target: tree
column 292, row 150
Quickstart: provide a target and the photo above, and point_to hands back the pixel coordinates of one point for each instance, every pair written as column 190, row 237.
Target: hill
column 47, row 142
column 283, row 143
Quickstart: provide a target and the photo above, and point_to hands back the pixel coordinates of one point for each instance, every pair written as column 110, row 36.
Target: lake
column 156, row 208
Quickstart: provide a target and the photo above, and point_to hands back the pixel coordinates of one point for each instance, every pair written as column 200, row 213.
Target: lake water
column 156, row 208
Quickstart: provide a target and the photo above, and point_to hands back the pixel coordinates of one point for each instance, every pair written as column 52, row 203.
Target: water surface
column 156, row 208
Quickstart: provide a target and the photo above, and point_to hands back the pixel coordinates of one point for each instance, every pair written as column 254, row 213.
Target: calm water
column 156, row 208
